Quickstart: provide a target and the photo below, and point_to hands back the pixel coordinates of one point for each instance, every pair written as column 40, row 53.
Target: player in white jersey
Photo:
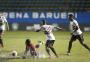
column 76, row 34
column 50, row 38
column 3, row 22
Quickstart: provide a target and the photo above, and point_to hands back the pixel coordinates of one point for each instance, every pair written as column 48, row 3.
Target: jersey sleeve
column 75, row 23
column 4, row 19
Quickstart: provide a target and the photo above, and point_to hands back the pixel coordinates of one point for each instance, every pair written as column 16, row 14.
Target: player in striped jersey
column 3, row 23
column 76, row 34
column 50, row 38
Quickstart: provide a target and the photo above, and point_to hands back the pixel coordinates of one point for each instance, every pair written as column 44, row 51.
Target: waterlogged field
column 16, row 41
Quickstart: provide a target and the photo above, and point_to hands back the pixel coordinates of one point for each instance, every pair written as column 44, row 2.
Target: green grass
column 15, row 41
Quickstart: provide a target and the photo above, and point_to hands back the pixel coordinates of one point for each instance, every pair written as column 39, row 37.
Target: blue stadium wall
column 24, row 19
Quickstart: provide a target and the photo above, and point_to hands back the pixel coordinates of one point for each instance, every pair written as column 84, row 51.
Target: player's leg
column 52, row 48
column 33, row 53
column 81, row 40
column 47, row 47
column 26, row 51
column 73, row 38
column 1, row 41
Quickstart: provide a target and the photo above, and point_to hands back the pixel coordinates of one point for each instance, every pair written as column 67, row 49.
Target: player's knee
column 47, row 49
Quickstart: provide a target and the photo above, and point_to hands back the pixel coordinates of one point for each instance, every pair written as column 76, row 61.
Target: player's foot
column 89, row 51
column 56, row 56
column 68, row 53
column 49, row 57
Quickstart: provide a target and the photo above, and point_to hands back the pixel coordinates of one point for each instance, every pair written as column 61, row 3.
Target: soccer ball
column 14, row 53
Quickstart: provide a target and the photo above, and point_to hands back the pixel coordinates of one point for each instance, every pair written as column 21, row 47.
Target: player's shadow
column 4, row 51
column 3, row 60
column 2, row 55
column 64, row 54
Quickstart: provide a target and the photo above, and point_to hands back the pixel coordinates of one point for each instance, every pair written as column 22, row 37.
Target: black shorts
column 75, row 37
column 49, row 42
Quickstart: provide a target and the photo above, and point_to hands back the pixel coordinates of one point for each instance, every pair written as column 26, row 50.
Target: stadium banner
column 51, row 17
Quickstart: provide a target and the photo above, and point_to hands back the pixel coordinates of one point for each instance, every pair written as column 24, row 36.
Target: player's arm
column 7, row 25
column 75, row 26
column 58, row 28
column 39, row 29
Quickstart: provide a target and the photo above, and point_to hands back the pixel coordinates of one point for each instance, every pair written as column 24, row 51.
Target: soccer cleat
column 49, row 57
column 57, row 56
column 68, row 54
column 89, row 51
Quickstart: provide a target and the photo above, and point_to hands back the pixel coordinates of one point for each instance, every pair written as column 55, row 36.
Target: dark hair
column 28, row 41
column 70, row 15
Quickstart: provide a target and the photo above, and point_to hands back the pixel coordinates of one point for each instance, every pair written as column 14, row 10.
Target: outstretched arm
column 58, row 28
column 39, row 29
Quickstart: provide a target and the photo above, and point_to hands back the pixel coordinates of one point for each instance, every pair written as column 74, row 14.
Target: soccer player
column 50, row 38
column 76, row 33
column 3, row 25
column 30, row 47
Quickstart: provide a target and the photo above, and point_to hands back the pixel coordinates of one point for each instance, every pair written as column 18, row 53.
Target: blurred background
column 27, row 14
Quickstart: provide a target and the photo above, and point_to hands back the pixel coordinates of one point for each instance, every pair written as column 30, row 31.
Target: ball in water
column 14, row 53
